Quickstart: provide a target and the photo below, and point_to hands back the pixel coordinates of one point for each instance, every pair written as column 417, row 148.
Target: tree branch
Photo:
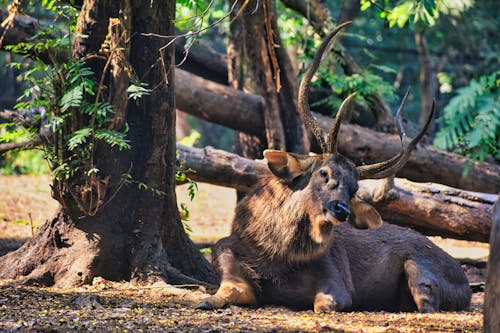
column 5, row 147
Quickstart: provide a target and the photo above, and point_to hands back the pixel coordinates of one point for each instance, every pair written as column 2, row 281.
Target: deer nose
column 340, row 210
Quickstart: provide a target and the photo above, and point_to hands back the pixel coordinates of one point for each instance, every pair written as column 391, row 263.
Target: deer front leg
column 234, row 287
column 332, row 297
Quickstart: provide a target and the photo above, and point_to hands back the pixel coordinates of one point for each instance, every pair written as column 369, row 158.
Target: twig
column 32, row 226
column 271, row 45
column 194, row 33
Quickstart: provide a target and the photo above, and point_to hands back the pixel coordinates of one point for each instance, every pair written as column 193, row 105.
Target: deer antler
column 391, row 166
column 332, row 136
column 303, row 104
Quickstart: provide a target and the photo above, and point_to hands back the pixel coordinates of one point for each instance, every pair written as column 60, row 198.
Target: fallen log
column 221, row 168
column 433, row 209
column 243, row 112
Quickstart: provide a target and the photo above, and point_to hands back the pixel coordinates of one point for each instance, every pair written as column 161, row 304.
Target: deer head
column 331, row 177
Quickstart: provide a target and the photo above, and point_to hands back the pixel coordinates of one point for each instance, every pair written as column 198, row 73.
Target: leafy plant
column 181, row 178
column 71, row 116
column 416, row 11
column 471, row 121
column 24, row 162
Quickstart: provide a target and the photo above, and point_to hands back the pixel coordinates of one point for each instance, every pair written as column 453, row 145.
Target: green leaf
column 137, row 91
column 113, row 138
column 79, row 137
column 72, row 98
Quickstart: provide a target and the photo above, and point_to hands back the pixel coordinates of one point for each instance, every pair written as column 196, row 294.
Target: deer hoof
column 211, row 303
column 324, row 304
column 205, row 305
column 323, row 308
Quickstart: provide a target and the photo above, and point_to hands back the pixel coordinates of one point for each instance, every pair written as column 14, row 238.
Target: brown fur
column 286, row 247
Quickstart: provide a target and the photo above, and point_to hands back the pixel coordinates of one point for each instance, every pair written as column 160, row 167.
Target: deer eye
column 324, row 175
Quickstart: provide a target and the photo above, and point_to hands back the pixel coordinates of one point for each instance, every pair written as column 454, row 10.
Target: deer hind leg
column 423, row 287
column 234, row 287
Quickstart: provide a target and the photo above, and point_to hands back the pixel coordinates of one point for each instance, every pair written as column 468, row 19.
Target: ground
column 107, row 306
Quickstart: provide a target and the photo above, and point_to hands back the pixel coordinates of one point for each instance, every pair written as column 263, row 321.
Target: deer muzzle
column 339, row 209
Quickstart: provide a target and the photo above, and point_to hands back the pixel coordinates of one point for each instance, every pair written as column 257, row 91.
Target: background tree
column 119, row 217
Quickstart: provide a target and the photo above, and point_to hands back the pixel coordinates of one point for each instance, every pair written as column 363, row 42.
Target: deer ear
column 363, row 215
column 288, row 166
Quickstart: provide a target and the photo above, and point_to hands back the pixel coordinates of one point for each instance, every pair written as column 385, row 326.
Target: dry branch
column 7, row 146
column 243, row 112
column 431, row 208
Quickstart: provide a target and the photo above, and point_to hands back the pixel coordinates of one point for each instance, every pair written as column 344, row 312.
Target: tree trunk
column 426, row 78
column 255, row 36
column 492, row 290
column 137, row 234
column 217, row 103
column 431, row 208
column 161, row 247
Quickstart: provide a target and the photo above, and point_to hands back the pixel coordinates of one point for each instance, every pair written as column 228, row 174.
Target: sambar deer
column 289, row 244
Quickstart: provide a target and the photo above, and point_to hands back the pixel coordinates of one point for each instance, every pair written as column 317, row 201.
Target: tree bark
column 426, row 78
column 269, row 73
column 137, row 234
column 433, row 209
column 492, row 289
column 242, row 112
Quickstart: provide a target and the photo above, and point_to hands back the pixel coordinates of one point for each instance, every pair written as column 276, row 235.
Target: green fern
column 471, row 121
column 113, row 138
column 79, row 137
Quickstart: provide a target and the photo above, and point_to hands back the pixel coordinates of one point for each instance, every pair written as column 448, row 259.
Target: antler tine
column 399, row 117
column 393, row 165
column 334, row 131
column 303, row 103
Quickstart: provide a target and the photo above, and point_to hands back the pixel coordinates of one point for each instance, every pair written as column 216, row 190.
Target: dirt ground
column 107, row 306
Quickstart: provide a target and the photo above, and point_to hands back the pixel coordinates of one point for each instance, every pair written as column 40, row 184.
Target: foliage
column 60, row 91
column 417, row 11
column 71, row 115
column 471, row 121
column 181, row 177
column 24, row 162
column 191, row 139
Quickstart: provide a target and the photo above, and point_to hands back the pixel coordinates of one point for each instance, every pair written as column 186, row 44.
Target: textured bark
column 426, row 78
column 220, row 104
column 431, row 208
column 137, row 234
column 66, row 253
column 240, row 112
column 221, row 168
column 255, row 38
column 492, row 290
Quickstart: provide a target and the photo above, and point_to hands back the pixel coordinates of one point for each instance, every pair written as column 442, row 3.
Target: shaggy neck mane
column 273, row 218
